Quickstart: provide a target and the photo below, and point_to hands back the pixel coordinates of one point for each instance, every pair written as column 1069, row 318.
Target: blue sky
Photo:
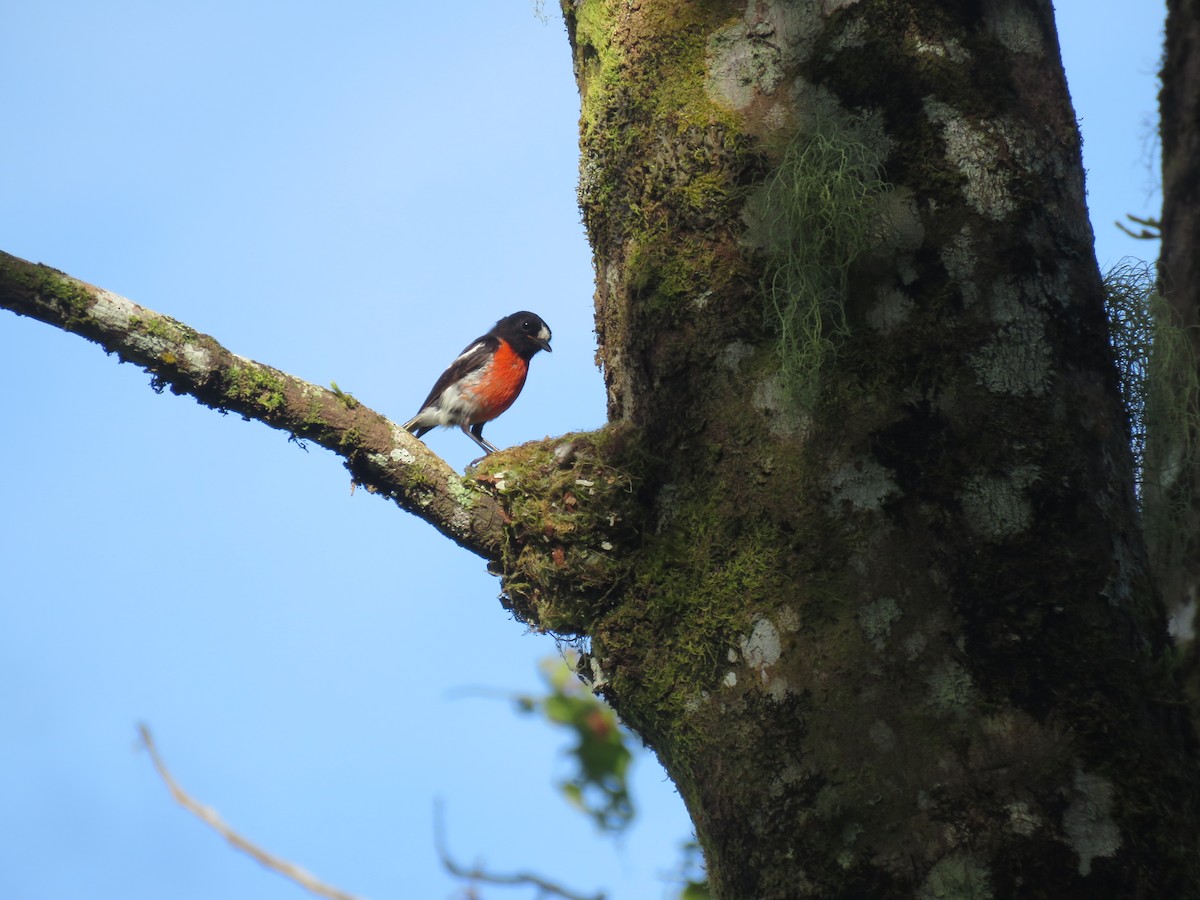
column 350, row 193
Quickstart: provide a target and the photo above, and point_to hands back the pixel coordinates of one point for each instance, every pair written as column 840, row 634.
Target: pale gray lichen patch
column 195, row 358
column 846, row 855
column 461, row 521
column 751, row 58
column 852, row 36
column 959, row 876
column 734, row 354
column 667, row 505
column 893, row 308
column 882, row 735
column 400, row 434
column 761, row 648
column 1004, row 301
column 914, row 645
column 864, row 485
column 1016, row 28
column 1016, row 361
column 997, row 506
column 463, row 496
column 785, row 418
column 400, row 455
column 113, row 310
column 778, row 687
column 789, row 774
column 951, row 690
column 875, row 620
column 787, row 619
column 950, row 49
column 148, row 344
column 972, row 148
column 1021, row 819
column 598, row 676
column 1182, row 623
column 1088, row 822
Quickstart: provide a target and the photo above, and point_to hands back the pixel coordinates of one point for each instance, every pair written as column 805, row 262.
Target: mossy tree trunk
column 881, row 602
column 1172, row 480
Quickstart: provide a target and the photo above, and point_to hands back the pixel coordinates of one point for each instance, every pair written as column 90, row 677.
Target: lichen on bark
column 873, row 636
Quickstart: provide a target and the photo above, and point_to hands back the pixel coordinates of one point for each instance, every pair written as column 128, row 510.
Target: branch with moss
column 379, row 454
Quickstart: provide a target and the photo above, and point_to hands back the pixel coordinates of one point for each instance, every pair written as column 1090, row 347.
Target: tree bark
column 890, row 624
column 1173, row 465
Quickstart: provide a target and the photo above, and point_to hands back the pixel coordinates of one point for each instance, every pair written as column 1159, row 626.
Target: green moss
column 700, row 584
column 705, row 193
column 66, row 292
column 254, row 385
column 599, row 61
column 164, row 328
column 572, row 504
column 664, row 273
column 312, row 414
column 627, row 104
column 669, row 75
column 345, row 398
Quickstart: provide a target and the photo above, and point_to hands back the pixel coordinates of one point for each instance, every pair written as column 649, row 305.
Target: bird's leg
column 475, row 433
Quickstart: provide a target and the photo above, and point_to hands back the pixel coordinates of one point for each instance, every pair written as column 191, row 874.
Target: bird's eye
column 527, row 325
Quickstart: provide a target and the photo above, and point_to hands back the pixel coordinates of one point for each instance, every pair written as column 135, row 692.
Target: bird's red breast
column 499, row 384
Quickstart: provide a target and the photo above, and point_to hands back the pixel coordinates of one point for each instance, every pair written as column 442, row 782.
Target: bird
column 485, row 379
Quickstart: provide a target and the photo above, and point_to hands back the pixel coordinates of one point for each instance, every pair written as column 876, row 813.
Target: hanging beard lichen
column 817, row 213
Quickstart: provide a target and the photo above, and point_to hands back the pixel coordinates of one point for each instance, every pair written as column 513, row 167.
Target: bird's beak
column 542, row 339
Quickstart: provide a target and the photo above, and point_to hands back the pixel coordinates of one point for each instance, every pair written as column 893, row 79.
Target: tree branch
column 209, row 816
column 477, row 873
column 378, row 453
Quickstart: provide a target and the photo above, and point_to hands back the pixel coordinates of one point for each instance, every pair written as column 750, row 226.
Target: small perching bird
column 485, row 379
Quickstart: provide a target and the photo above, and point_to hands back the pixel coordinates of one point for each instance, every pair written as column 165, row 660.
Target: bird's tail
column 412, row 426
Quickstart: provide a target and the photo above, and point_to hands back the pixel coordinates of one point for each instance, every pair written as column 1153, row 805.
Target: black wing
column 474, row 356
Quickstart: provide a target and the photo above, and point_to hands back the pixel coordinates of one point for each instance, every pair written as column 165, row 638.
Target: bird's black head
column 525, row 331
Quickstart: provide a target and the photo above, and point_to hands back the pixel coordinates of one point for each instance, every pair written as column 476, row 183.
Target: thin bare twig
column 210, row 817
column 479, row 874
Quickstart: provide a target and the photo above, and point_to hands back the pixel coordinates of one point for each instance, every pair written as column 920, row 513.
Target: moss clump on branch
column 817, row 214
column 254, row 384
column 573, row 519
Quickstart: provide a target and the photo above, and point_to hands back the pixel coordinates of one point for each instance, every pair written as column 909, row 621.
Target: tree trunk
column 882, row 605
column 1173, row 466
